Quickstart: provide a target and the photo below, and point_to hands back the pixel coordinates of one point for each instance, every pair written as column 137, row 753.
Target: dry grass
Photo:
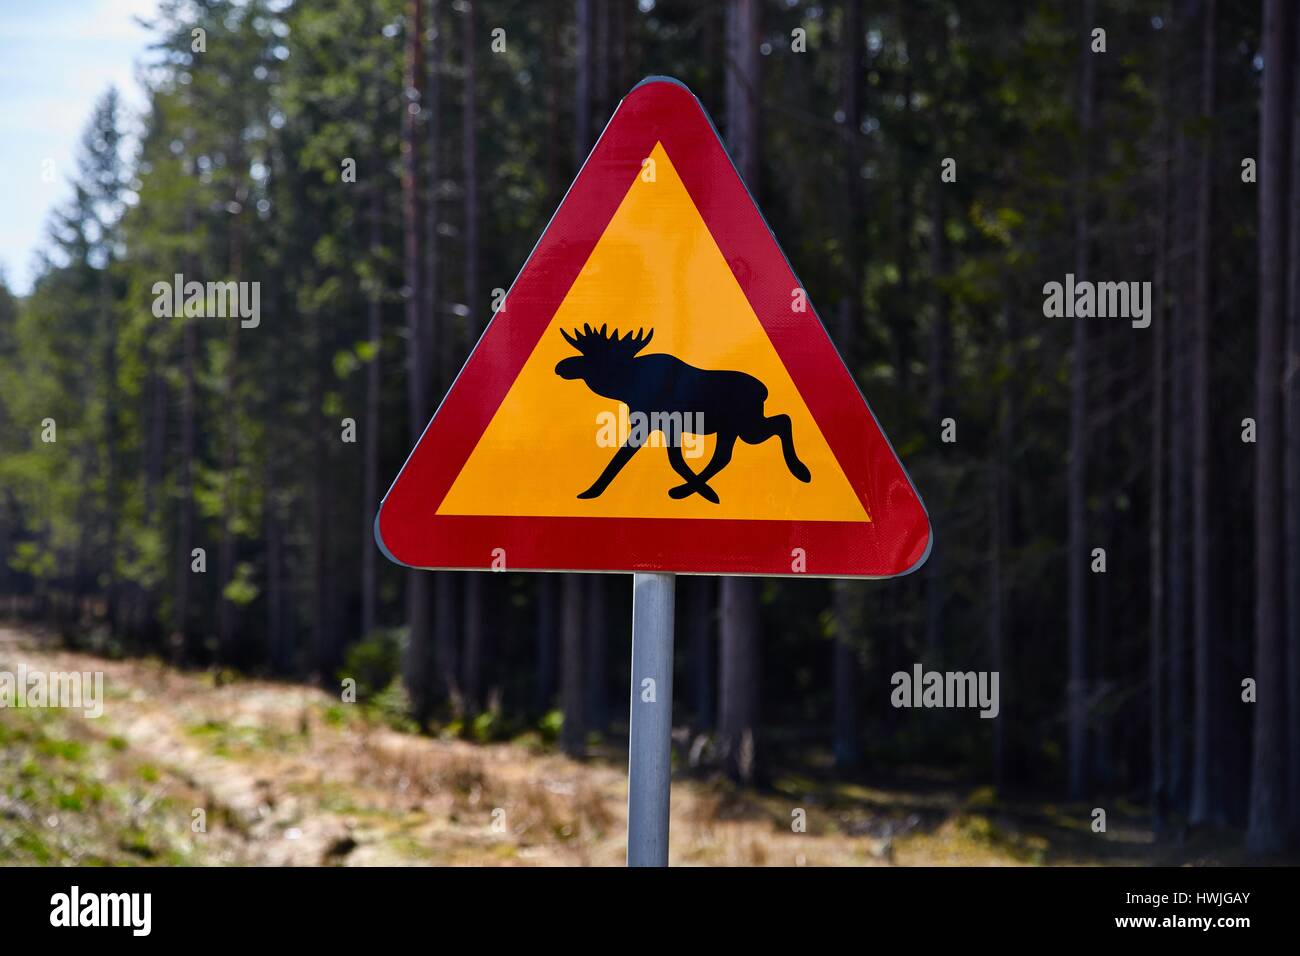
column 287, row 775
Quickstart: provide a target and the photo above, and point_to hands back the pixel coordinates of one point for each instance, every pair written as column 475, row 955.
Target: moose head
column 605, row 357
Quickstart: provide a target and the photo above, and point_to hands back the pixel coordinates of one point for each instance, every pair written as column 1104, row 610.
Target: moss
column 72, row 750
column 336, row 715
column 208, row 728
column 137, row 843
column 30, row 844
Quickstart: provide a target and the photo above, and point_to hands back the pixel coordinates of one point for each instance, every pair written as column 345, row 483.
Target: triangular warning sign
column 656, row 393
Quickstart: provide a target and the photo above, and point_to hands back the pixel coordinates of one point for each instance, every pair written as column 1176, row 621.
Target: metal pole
column 649, row 744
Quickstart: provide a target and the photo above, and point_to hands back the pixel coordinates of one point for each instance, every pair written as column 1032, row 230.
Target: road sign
column 656, row 393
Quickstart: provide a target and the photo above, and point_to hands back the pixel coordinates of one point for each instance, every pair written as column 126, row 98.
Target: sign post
column 656, row 395
column 649, row 746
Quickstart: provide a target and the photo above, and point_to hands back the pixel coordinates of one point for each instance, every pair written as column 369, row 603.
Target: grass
column 75, row 801
column 214, row 769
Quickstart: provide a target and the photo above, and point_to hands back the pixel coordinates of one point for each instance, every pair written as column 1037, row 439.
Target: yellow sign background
column 655, row 267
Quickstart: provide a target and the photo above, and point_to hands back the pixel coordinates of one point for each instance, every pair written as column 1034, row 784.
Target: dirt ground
column 179, row 770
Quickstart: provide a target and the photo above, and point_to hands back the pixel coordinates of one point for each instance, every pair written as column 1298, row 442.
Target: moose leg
column 780, row 426
column 721, row 457
column 621, row 458
column 693, row 482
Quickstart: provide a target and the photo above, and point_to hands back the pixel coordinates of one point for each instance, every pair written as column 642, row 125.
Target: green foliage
column 550, row 725
column 484, row 727
column 392, row 707
column 374, row 662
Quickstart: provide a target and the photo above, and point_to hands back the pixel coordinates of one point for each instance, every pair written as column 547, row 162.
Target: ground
column 185, row 769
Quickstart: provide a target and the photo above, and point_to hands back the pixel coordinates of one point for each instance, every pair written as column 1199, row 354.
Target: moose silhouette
column 671, row 393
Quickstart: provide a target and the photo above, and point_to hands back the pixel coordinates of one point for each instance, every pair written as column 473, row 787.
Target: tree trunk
column 156, row 419
column 184, row 644
column 742, row 88
column 1202, row 805
column 739, row 676
column 1176, row 644
column 1291, row 461
column 443, row 349
column 105, row 292
column 623, row 67
column 370, row 465
column 573, row 735
column 439, row 350
column 415, row 669
column 1077, row 688
column 999, row 541
column 469, row 135
column 600, row 79
column 997, row 636
column 472, row 660
column 1156, row 584
column 846, row 596
column 597, row 654
column 444, row 631
column 472, row 653
column 322, row 657
column 551, row 143
column 1268, row 808
column 700, row 627
column 277, row 651
column 582, row 94
column 901, row 318
column 546, row 634
column 846, row 610
column 740, row 649
column 230, row 458
column 939, row 346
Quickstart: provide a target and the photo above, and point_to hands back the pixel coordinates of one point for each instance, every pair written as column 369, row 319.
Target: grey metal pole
column 649, row 739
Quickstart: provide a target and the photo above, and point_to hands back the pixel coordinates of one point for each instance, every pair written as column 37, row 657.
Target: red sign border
column 897, row 540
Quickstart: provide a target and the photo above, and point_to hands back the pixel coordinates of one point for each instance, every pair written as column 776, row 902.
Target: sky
column 57, row 57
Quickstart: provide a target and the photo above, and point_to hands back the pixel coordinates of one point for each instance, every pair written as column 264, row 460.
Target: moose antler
column 590, row 341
